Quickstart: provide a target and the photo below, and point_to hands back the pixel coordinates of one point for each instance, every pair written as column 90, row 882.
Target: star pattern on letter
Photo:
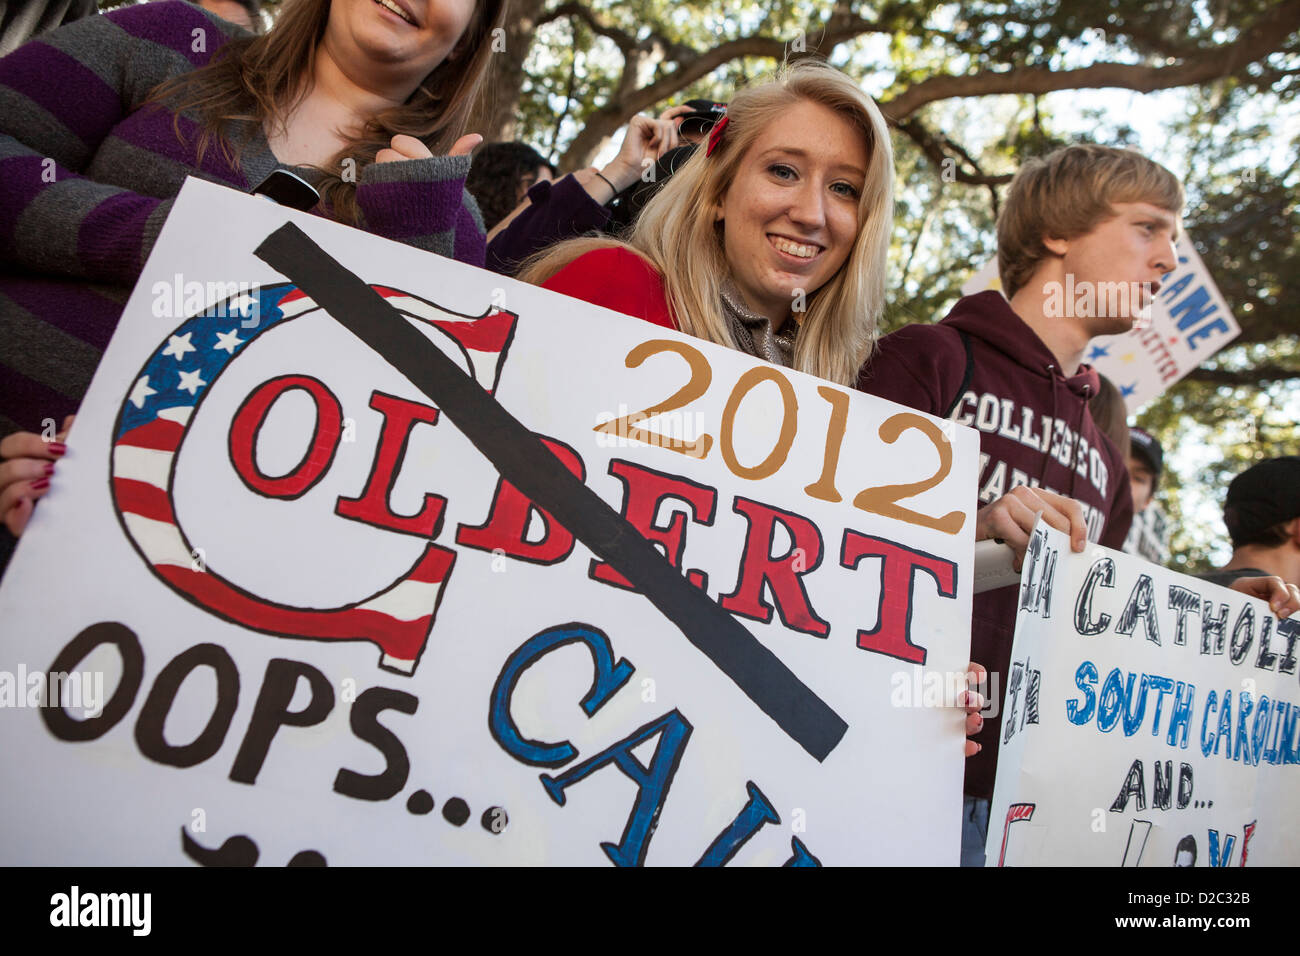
column 190, row 382
column 227, row 341
column 141, row 391
column 178, row 345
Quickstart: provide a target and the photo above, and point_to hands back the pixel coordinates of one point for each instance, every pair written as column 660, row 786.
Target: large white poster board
column 356, row 585
column 1189, row 322
column 1151, row 720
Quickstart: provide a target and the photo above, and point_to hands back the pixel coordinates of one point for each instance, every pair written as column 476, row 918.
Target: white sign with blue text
column 1151, row 719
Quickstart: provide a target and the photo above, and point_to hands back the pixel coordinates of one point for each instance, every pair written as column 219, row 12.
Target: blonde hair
column 677, row 234
column 1066, row 194
column 259, row 77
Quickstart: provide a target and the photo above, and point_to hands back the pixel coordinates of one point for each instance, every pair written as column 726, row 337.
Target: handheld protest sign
column 360, row 555
column 1151, row 720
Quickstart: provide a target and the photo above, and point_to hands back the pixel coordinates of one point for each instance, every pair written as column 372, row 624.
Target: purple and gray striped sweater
column 87, row 177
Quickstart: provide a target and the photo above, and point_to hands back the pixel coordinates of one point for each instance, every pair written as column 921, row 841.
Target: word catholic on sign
column 1151, row 719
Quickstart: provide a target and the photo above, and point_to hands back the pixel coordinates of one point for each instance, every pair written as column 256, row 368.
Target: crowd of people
column 761, row 225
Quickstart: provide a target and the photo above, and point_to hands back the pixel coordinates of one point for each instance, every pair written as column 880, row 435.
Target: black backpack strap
column 966, row 377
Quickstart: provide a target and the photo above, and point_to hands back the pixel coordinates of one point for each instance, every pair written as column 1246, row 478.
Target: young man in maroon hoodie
column 1084, row 238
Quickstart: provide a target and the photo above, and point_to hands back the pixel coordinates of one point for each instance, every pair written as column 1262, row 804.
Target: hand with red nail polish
column 973, row 701
column 27, row 462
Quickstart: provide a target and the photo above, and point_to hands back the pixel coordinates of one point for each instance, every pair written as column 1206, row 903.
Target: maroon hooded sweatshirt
column 1035, row 429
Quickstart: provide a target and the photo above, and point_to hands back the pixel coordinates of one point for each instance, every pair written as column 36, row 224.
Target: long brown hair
column 255, row 78
column 676, row 232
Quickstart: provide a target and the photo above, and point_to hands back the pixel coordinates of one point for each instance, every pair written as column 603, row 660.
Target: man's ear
column 1057, row 247
column 1293, row 530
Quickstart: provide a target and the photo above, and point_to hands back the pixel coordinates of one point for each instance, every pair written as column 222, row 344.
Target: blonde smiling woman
column 771, row 240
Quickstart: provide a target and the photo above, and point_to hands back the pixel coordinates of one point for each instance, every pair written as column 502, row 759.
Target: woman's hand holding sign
column 973, row 701
column 26, row 464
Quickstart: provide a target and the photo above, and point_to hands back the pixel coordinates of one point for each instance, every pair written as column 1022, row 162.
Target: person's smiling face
column 790, row 215
column 395, row 40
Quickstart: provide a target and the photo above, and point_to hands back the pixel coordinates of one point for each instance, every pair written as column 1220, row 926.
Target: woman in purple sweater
column 102, row 120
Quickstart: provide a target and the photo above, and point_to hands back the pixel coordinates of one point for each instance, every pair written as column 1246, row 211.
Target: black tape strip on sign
column 521, row 459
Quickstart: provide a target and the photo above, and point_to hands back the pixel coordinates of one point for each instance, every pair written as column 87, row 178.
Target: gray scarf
column 753, row 333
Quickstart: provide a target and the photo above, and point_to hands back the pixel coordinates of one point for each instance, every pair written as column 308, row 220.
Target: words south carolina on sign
column 1151, row 719
column 383, row 558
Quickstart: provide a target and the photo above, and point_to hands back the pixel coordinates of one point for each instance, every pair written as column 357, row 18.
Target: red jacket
column 616, row 279
column 1034, row 428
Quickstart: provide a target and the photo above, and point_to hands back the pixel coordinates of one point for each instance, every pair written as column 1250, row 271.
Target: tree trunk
column 600, row 126
column 495, row 114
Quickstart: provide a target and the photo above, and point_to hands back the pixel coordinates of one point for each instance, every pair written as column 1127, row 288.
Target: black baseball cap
column 1144, row 445
column 1262, row 496
column 703, row 114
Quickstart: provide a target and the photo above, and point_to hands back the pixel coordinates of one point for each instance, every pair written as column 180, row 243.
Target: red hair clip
column 715, row 137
